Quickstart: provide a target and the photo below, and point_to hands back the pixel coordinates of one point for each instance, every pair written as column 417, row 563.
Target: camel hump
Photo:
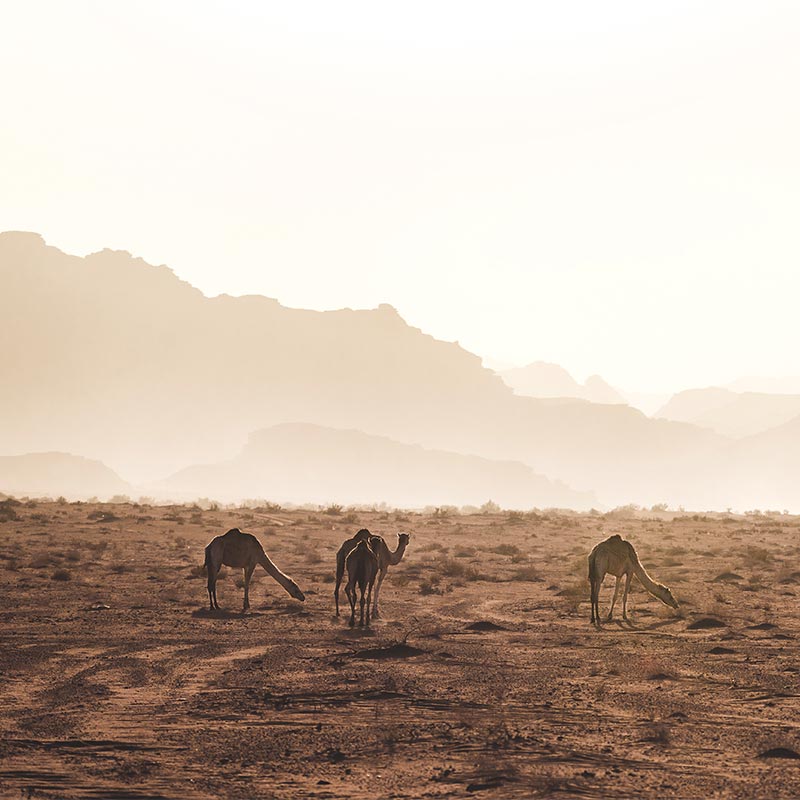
column 615, row 536
column 363, row 535
column 233, row 532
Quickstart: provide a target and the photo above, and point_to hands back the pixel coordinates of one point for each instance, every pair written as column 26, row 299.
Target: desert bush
column 450, row 568
column 97, row 547
column 62, row 575
column 506, row 550
column 465, row 552
column 105, row 516
column 198, row 571
column 120, row 499
column 119, row 569
column 759, row 554
column 333, row 510
column 490, row 507
column 427, row 587
column 430, row 547
column 43, row 560
column 529, row 573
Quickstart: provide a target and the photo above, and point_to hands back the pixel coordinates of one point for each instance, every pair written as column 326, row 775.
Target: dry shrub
column 758, row 554
column 529, row 573
column 427, row 587
column 430, row 547
column 61, row 575
column 450, row 568
column 506, row 550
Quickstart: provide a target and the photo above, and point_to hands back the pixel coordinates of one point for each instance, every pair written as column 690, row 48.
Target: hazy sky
column 611, row 186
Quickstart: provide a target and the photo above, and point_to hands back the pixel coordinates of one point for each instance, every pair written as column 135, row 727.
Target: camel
column 617, row 557
column 237, row 549
column 341, row 555
column 362, row 567
column 386, row 559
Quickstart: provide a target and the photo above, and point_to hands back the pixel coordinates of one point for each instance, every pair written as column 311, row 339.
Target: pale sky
column 614, row 187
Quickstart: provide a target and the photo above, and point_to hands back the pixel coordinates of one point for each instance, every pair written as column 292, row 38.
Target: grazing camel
column 386, row 559
column 617, row 557
column 362, row 567
column 362, row 536
column 237, row 549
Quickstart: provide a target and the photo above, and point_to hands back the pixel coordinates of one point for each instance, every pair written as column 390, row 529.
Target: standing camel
column 617, row 557
column 362, row 536
column 386, row 559
column 362, row 567
column 243, row 550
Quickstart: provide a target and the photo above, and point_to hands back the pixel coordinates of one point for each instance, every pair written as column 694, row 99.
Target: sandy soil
column 484, row 677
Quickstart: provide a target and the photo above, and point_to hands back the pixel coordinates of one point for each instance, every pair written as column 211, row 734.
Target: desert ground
column 483, row 678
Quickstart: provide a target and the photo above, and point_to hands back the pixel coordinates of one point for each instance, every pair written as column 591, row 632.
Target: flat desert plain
column 483, row 678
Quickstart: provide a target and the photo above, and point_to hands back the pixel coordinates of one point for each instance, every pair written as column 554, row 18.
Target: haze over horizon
column 612, row 189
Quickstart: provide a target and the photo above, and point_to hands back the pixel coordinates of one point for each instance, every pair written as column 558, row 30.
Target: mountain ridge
column 129, row 364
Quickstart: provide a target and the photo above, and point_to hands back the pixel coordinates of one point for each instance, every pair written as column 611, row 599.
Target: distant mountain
column 762, row 470
column 541, row 379
column 125, row 363
column 731, row 413
column 308, row 463
column 766, row 385
column 57, row 474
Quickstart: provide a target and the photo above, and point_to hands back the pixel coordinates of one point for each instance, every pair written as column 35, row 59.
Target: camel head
column 403, row 539
column 362, row 536
column 665, row 596
column 294, row 591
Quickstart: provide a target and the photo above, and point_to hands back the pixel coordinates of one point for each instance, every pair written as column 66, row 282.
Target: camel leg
column 617, row 590
column 381, row 576
column 248, row 573
column 212, row 569
column 351, row 596
column 369, row 600
column 339, row 574
column 628, row 579
column 361, row 618
column 595, row 595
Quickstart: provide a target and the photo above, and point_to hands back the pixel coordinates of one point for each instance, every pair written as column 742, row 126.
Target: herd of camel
column 367, row 558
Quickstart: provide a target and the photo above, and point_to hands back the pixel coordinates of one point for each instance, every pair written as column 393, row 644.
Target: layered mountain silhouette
column 542, row 379
column 56, row 474
column 298, row 463
column 731, row 413
column 121, row 361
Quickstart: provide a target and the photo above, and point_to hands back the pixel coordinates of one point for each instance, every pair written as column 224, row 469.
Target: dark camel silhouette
column 362, row 567
column 341, row 555
column 242, row 550
column 617, row 557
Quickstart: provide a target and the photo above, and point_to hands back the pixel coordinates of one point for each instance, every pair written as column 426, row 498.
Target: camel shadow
column 221, row 613
column 357, row 633
column 632, row 625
